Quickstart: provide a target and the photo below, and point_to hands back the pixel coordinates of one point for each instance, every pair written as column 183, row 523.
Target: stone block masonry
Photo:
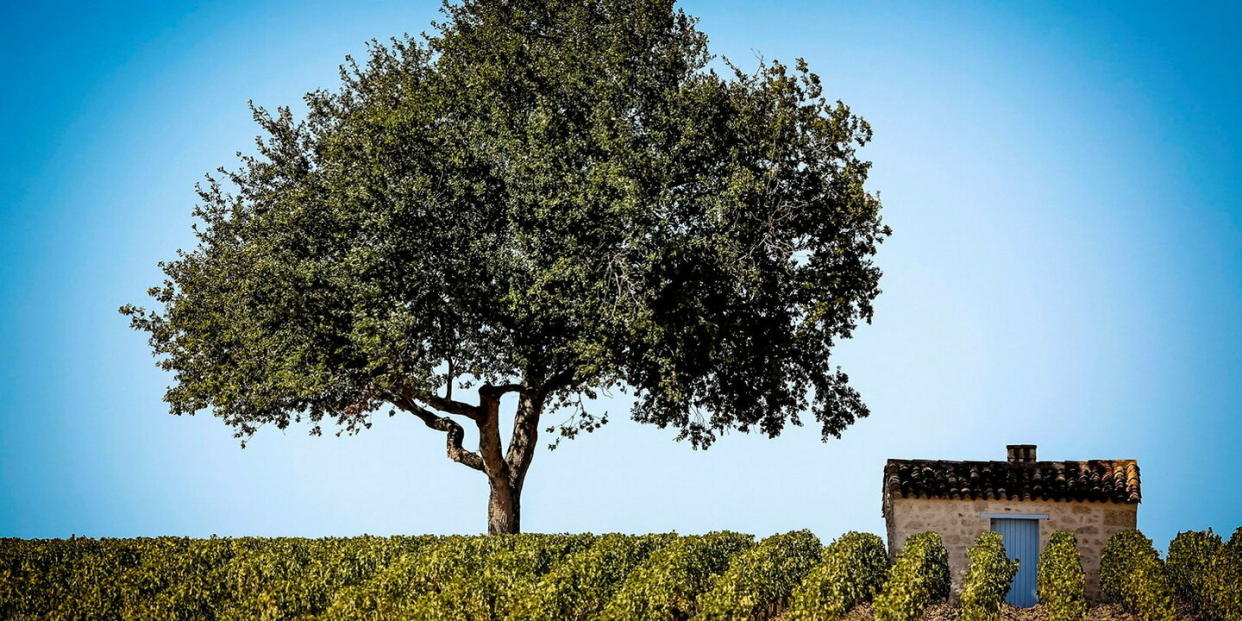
column 960, row 521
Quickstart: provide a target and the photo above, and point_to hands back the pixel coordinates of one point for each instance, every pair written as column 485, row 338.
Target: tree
column 545, row 198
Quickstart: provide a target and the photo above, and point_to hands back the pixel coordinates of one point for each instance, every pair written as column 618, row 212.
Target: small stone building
column 1023, row 499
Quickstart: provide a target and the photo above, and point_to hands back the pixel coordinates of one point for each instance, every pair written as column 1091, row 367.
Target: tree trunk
column 506, row 473
column 504, row 509
column 504, row 505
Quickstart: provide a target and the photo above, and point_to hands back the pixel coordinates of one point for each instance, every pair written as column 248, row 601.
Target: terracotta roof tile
column 1103, row 480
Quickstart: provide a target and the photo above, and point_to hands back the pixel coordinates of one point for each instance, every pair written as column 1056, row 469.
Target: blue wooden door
column 1021, row 544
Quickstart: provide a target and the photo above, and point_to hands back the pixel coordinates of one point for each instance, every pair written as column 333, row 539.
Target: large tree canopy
column 544, row 197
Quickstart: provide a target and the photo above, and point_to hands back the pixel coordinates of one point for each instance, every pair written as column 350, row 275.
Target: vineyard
column 718, row 576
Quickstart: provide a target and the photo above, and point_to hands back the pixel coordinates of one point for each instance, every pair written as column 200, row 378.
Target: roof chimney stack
column 1021, row 453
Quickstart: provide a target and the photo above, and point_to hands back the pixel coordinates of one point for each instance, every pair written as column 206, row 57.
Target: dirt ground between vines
column 949, row 612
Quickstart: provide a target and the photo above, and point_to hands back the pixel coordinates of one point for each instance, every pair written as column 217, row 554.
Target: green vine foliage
column 664, row 577
column 1191, row 555
column 759, row 580
column 1132, row 574
column 400, row 584
column 233, row 587
column 492, row 590
column 1222, row 591
column 988, row 578
column 187, row 585
column 667, row 586
column 38, row 577
column 1060, row 579
column 290, row 578
column 919, row 577
column 852, row 571
column 179, row 578
column 90, row 579
column 578, row 588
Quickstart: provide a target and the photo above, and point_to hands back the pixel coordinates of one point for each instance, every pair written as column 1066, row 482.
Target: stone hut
column 1024, row 499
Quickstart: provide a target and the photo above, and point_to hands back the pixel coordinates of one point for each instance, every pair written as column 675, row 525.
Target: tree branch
column 449, row 406
column 454, row 432
column 525, row 433
column 490, row 449
column 496, row 391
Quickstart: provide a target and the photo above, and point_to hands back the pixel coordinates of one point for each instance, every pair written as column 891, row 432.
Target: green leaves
column 529, row 577
column 988, row 578
column 1190, row 559
column 759, row 580
column 179, row 578
column 668, row 584
column 1060, row 580
column 852, row 571
column 397, row 589
column 580, row 587
column 551, row 193
column 1224, row 584
column 491, row 590
column 329, row 565
column 919, row 577
column 1132, row 574
column 1206, row 574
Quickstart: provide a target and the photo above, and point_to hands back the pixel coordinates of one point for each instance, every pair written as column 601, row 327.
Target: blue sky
column 1066, row 270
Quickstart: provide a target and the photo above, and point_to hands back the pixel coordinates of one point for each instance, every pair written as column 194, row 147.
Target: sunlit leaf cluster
column 759, row 581
column 852, row 571
column 988, row 577
column 1132, row 574
column 1206, row 574
column 1060, row 579
column 669, row 583
column 918, row 578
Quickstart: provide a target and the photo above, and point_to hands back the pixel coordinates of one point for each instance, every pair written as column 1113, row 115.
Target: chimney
column 1021, row 453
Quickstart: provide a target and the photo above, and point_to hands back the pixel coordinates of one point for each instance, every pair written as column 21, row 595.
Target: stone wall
column 959, row 524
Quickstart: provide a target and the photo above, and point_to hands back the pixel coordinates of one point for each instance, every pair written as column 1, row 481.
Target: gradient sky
column 1064, row 181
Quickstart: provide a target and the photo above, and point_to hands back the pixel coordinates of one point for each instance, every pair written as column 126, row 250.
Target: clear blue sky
column 1063, row 180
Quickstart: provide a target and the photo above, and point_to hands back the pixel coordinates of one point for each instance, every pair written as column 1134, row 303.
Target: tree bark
column 525, row 434
column 504, row 506
column 504, row 509
column 502, row 501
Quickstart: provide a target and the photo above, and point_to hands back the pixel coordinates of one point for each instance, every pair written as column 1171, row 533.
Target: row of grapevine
column 1205, row 574
column 580, row 587
column 919, row 577
column 393, row 592
column 852, row 571
column 1202, row 573
column 987, row 578
column 181, row 578
column 492, row 591
column 718, row 576
column 1060, row 579
column 758, row 581
column 668, row 585
column 460, row 578
column 1132, row 574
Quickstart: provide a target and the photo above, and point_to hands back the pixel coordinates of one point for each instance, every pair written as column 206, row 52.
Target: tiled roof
column 1104, row 480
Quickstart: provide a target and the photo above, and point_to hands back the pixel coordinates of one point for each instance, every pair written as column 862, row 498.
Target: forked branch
column 454, row 434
